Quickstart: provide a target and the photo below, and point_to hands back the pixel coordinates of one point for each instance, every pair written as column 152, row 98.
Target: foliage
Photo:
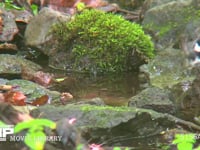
column 34, row 9
column 35, row 138
column 184, row 141
column 9, row 4
column 2, row 123
column 80, row 6
column 103, row 41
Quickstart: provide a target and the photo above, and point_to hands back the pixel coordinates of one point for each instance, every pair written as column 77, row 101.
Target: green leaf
column 80, row 6
column 35, row 137
column 35, row 123
column 116, row 148
column 2, row 123
column 35, row 141
column 34, row 9
column 184, row 141
column 60, row 79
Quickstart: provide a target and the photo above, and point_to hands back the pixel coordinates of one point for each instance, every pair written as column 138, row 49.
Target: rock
column 168, row 68
column 153, row 98
column 22, row 16
column 94, row 101
column 130, row 5
column 33, row 90
column 90, row 117
column 13, row 64
column 187, row 93
column 104, row 123
column 168, row 19
column 9, row 27
column 37, row 31
column 148, row 4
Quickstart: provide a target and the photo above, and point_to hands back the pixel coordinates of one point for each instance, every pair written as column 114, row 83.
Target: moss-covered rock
column 168, row 68
column 13, row 64
column 103, row 42
column 168, row 20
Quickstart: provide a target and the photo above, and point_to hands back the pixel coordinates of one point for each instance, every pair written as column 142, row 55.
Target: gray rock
column 37, row 33
column 168, row 68
column 168, row 20
column 33, row 90
column 13, row 64
column 104, row 123
column 187, row 93
column 153, row 98
column 9, row 26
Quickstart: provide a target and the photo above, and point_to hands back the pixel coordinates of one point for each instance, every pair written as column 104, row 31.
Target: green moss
column 87, row 108
column 103, row 41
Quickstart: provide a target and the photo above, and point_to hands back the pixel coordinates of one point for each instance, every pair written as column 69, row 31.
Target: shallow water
column 114, row 90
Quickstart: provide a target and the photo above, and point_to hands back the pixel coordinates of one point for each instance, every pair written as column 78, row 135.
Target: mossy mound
column 103, row 42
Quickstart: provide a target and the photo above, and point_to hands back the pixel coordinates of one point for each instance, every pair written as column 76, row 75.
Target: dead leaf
column 15, row 98
column 40, row 101
column 6, row 87
column 65, row 97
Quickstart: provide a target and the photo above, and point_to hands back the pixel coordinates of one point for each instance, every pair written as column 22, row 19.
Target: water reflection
column 113, row 89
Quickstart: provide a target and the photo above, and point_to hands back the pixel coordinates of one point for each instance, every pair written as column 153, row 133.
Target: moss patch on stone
column 103, row 42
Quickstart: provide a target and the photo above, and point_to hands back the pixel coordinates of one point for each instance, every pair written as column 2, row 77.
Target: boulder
column 33, row 90
column 13, row 64
column 8, row 27
column 103, row 118
column 187, row 93
column 105, row 123
column 37, row 33
column 168, row 68
column 154, row 98
column 168, row 20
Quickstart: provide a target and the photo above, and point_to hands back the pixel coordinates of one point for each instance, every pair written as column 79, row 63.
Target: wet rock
column 153, row 98
column 33, row 90
column 180, row 18
column 104, row 122
column 94, row 101
column 9, row 27
column 92, row 116
column 13, row 64
column 37, row 33
column 188, row 93
column 168, row 68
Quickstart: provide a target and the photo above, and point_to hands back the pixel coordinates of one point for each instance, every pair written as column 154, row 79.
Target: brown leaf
column 65, row 97
column 40, row 101
column 15, row 98
column 1, row 24
column 6, row 87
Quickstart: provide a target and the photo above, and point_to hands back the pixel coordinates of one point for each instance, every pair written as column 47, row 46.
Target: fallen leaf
column 60, row 79
column 15, row 98
column 6, row 87
column 40, row 101
column 65, row 97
